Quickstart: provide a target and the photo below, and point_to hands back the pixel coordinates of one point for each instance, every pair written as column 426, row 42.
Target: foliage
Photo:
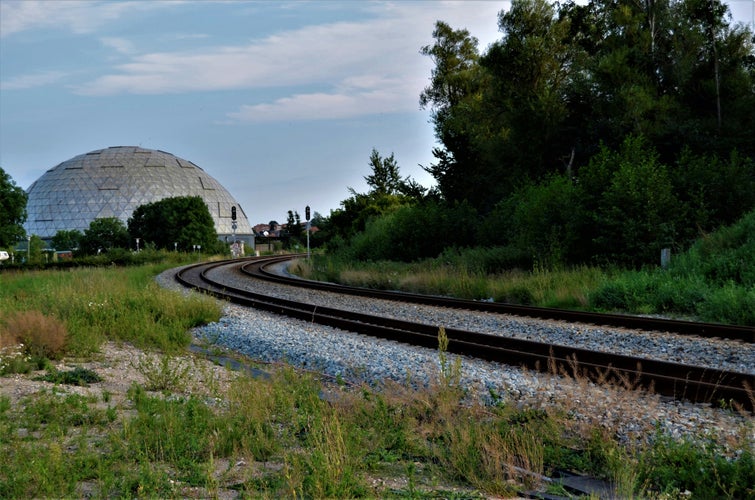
column 414, row 232
column 629, row 195
column 93, row 305
column 12, row 211
column 712, row 191
column 714, row 280
column 388, row 192
column 163, row 374
column 103, row 235
column 672, row 467
column 67, row 239
column 77, row 376
column 184, row 220
column 545, row 221
column 565, row 78
column 293, row 225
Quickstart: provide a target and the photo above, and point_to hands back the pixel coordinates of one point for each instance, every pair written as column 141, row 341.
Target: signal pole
column 306, row 216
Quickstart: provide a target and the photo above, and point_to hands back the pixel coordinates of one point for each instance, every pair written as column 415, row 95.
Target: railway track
column 673, row 380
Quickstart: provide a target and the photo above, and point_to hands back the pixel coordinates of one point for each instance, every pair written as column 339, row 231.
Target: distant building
column 113, row 182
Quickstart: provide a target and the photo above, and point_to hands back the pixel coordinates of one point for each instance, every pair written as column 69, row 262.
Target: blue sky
column 281, row 102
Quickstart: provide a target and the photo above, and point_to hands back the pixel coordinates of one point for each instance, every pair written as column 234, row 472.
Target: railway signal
column 306, row 216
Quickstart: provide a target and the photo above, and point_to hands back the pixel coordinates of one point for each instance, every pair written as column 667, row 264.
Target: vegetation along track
column 693, row 383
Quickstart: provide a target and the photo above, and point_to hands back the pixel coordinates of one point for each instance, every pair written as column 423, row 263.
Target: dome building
column 113, row 182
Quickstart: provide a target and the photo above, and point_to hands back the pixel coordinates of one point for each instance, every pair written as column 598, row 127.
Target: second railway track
column 679, row 381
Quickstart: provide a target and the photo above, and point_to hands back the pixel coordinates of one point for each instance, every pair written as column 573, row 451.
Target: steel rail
column 706, row 330
column 684, row 382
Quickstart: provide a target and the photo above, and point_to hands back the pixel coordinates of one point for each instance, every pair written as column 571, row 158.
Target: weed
column 163, row 373
column 78, row 376
column 40, row 335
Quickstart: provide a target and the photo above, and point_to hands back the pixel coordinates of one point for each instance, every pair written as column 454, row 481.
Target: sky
column 281, row 101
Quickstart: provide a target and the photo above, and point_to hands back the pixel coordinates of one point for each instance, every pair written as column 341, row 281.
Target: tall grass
column 99, row 304
column 290, row 434
column 713, row 281
column 566, row 288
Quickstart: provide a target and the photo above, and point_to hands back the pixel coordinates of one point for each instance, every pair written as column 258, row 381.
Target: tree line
column 588, row 133
column 598, row 132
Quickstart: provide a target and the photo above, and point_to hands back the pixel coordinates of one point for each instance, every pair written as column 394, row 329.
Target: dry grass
column 41, row 336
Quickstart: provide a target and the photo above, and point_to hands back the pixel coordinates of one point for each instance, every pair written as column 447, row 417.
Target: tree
column 630, row 196
column 385, row 178
column 103, row 235
column 388, row 191
column 67, row 239
column 293, row 224
column 453, row 97
column 566, row 78
column 185, row 220
column 531, row 69
column 12, row 211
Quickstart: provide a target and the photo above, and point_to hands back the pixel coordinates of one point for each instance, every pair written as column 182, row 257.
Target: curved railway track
column 674, row 380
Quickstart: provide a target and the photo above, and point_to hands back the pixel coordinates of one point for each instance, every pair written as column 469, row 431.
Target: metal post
column 306, row 214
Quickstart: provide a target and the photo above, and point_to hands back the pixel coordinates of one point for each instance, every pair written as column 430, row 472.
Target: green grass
column 114, row 303
column 297, row 436
column 675, row 291
column 713, row 281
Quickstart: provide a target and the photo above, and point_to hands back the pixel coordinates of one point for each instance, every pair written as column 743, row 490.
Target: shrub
column 42, row 336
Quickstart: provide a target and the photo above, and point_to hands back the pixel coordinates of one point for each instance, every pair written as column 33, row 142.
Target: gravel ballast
column 359, row 358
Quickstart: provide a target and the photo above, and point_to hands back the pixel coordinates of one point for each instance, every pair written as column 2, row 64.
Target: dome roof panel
column 113, row 182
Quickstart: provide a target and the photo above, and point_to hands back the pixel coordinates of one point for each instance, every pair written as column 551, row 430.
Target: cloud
column 76, row 16
column 335, row 69
column 358, row 67
column 322, row 106
column 120, row 45
column 34, row 80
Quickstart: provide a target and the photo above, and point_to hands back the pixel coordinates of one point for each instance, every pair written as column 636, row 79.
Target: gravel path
column 361, row 359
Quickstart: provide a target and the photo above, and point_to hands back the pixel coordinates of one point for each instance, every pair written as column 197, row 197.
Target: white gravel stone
column 362, row 359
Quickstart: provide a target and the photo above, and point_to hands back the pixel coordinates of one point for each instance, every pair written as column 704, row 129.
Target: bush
column 486, row 260
column 410, row 233
column 672, row 467
column 42, row 336
column 730, row 304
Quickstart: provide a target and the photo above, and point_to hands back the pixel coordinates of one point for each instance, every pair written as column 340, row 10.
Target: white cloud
column 34, row 80
column 321, row 106
column 74, row 15
column 120, row 45
column 358, row 67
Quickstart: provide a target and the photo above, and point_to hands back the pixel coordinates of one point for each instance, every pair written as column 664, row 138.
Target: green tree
column 34, row 253
column 67, row 239
column 185, row 220
column 453, row 98
column 293, row 224
column 634, row 209
column 385, row 177
column 103, row 235
column 546, row 221
column 526, row 102
column 566, row 78
column 12, row 211
column 388, row 191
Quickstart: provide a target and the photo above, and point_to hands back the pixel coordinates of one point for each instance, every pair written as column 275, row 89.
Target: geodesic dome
column 113, row 182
